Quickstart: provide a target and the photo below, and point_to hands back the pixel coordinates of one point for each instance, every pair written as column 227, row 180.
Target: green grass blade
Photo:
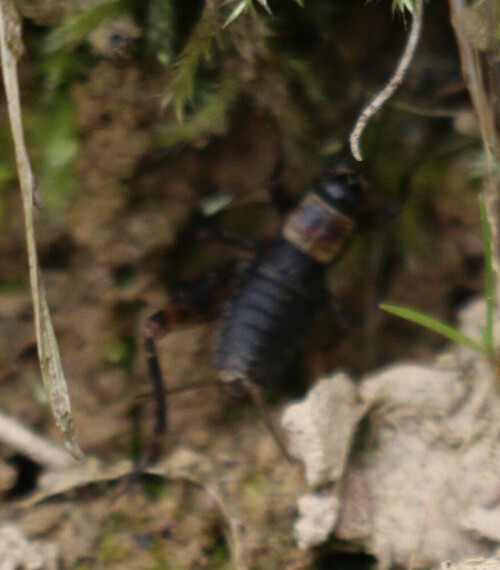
column 435, row 325
column 488, row 278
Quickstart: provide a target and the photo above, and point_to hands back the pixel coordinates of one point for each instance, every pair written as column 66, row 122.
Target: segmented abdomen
column 267, row 316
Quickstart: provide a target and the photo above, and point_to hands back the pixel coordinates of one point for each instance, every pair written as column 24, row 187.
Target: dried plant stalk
column 48, row 352
column 476, row 28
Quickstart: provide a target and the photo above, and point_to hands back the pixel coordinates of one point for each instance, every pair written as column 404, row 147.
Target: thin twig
column 34, row 446
column 394, row 82
column 234, row 525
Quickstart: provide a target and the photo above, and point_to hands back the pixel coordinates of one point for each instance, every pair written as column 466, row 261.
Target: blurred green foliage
column 282, row 57
column 75, row 26
column 403, row 5
column 53, row 142
column 228, row 51
column 216, row 52
column 7, row 162
column 243, row 6
column 110, row 548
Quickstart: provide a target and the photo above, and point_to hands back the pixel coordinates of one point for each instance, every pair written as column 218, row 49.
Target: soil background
column 121, row 234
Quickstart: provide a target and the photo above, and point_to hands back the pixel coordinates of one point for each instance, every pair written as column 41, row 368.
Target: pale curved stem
column 394, row 82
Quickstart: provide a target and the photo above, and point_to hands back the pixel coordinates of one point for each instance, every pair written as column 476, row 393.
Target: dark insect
column 274, row 300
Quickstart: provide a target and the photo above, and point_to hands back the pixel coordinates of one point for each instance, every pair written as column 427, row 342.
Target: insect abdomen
column 268, row 315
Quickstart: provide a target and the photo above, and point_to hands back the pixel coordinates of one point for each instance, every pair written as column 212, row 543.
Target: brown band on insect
column 317, row 229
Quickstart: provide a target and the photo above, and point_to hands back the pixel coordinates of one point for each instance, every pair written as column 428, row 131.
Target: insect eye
column 335, row 189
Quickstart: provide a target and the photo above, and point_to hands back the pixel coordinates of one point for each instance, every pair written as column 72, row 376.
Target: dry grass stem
column 234, row 526
column 48, row 351
column 479, row 60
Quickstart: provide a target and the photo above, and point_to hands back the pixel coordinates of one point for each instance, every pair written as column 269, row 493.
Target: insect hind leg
column 257, row 396
column 194, row 303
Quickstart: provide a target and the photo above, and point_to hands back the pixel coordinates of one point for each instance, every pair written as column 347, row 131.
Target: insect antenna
column 160, row 392
column 257, row 396
column 180, row 389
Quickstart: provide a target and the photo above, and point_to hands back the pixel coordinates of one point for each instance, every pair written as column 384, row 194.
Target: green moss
column 198, row 52
column 14, row 286
column 160, row 565
column 153, row 487
column 120, row 351
column 254, row 482
column 53, row 142
column 75, row 27
column 59, row 69
column 162, row 24
column 209, row 118
column 219, row 557
column 403, row 5
column 109, row 549
column 117, row 520
column 232, row 50
column 7, row 163
column 82, row 566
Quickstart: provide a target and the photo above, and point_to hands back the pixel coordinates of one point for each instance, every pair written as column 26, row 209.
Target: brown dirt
column 103, row 265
